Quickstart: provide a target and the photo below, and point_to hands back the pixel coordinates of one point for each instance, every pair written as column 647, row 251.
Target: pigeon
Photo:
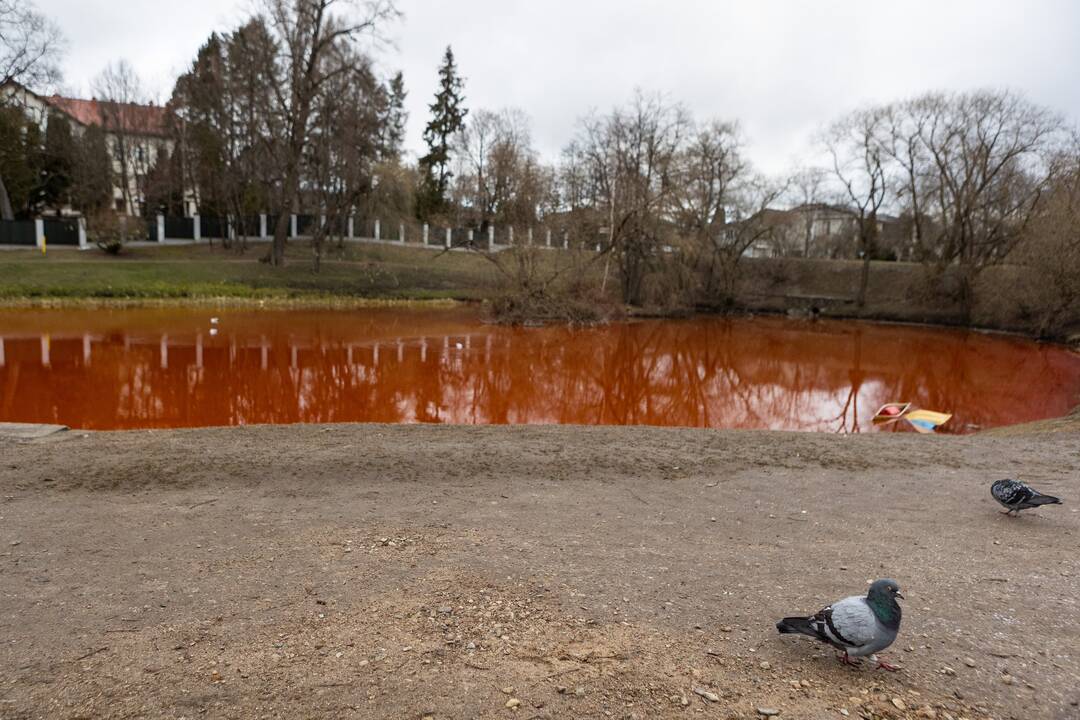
column 857, row 625
column 1015, row 496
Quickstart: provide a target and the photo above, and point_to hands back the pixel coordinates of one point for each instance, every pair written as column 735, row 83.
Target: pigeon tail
column 1041, row 499
column 798, row 626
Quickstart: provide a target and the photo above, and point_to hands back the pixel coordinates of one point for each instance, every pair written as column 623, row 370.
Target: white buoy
column 213, row 332
column 213, row 321
column 459, row 346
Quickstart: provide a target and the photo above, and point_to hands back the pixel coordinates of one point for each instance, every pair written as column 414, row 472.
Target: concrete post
column 566, row 241
column 528, row 236
column 161, row 228
column 449, row 237
column 322, row 222
column 197, row 223
column 470, row 236
column 262, row 226
column 39, row 232
column 378, row 230
column 82, row 234
column 292, row 226
column 510, row 235
column 401, row 233
column 349, row 228
column 491, row 237
column 424, row 233
column 547, row 238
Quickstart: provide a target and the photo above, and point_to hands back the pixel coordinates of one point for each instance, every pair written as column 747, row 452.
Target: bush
column 108, row 230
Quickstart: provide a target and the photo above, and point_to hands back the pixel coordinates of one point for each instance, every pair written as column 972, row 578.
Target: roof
column 111, row 116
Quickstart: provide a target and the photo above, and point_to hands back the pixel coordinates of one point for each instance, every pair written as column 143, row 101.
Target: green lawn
column 198, row 271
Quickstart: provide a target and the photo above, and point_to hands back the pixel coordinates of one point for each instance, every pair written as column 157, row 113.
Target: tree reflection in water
column 163, row 368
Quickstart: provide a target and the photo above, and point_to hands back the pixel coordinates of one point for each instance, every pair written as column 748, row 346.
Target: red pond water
column 145, row 368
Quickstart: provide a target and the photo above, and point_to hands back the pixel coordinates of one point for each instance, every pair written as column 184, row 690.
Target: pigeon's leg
column 882, row 665
column 846, row 659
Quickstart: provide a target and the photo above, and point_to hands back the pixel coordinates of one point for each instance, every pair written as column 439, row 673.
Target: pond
column 108, row 369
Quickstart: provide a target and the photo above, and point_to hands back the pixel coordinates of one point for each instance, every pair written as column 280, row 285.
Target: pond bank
column 405, row 571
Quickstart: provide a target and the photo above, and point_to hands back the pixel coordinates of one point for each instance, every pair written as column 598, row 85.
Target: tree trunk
column 864, row 278
column 277, row 249
column 6, row 213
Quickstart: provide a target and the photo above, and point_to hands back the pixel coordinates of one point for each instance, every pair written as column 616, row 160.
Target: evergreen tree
column 91, row 171
column 393, row 119
column 447, row 119
column 57, row 160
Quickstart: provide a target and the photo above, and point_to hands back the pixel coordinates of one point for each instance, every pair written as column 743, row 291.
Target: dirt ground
column 527, row 572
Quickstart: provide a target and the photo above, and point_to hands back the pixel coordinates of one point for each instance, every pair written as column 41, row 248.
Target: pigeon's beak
column 899, row 595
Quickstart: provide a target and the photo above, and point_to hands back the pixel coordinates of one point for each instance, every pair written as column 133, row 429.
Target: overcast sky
column 781, row 67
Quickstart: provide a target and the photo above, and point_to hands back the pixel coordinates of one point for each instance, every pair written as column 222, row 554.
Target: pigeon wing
column 1011, row 492
column 849, row 623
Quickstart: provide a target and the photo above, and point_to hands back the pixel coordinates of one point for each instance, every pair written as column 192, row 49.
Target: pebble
column 844, row 712
column 1007, row 679
column 579, row 691
column 768, row 712
column 446, row 610
column 899, row 704
column 969, row 662
column 948, row 670
column 508, row 690
column 710, row 696
column 513, row 703
column 764, row 665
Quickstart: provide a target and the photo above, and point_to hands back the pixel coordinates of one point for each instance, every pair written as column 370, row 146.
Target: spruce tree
column 394, row 117
column 447, row 119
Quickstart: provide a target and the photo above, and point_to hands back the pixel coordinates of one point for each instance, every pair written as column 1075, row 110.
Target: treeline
column 291, row 113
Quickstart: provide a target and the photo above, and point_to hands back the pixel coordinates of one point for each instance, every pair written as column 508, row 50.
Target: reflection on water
column 174, row 368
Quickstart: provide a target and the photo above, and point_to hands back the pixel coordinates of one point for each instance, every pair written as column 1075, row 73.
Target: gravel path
column 527, row 572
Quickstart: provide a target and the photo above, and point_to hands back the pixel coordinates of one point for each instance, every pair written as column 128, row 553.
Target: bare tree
column 860, row 164
column 122, row 100
column 1050, row 249
column 806, row 188
column 629, row 156
column 989, row 159
column 316, row 42
column 30, row 45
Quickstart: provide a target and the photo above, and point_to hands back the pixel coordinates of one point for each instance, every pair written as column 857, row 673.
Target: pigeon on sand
column 1015, row 496
column 857, row 625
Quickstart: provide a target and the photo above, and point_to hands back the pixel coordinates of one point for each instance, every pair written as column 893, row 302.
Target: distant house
column 134, row 134
column 832, row 231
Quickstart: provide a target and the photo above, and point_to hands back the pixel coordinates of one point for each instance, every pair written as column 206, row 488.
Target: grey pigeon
column 857, row 625
column 1015, row 496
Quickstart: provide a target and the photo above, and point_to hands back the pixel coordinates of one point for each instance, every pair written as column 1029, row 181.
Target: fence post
column 469, row 236
column 161, row 228
column 39, row 232
column 322, row 222
column 547, row 237
column 491, row 237
column 197, row 224
column 401, row 233
column 566, row 240
column 292, row 225
column 528, row 236
column 425, row 233
column 378, row 230
column 449, row 237
column 82, row 233
column 349, row 228
column 262, row 226
column 510, row 234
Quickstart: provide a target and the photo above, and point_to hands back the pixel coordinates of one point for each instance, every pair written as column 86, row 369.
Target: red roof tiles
column 131, row 118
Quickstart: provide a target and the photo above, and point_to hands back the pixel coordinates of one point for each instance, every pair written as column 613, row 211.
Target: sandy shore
column 447, row 572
